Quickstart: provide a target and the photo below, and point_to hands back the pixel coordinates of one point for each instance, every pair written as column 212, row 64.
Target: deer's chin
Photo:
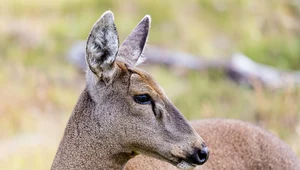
column 185, row 165
column 179, row 163
column 176, row 161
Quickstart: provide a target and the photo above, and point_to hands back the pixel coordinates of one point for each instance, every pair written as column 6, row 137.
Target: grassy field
column 39, row 88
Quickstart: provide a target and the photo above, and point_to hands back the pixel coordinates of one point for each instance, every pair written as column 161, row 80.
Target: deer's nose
column 203, row 155
column 199, row 156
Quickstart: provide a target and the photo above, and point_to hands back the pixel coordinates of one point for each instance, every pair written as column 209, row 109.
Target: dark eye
column 142, row 99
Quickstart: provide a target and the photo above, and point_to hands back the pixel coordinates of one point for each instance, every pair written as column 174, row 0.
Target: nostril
column 203, row 155
column 199, row 156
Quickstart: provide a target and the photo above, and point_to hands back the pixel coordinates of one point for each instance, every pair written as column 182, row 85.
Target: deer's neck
column 84, row 146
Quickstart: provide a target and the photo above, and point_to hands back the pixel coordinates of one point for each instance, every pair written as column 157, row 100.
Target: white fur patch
column 185, row 165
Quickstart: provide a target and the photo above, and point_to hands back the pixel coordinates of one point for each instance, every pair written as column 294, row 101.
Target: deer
column 122, row 111
column 233, row 144
column 124, row 120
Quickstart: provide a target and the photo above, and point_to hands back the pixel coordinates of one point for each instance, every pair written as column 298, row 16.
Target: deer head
column 132, row 111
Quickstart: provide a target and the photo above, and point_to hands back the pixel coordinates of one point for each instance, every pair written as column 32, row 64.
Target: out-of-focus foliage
column 38, row 88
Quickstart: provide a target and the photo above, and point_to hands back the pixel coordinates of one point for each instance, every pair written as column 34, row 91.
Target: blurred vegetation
column 39, row 88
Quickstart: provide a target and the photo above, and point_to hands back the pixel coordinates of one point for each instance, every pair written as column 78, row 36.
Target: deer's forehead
column 143, row 80
column 140, row 80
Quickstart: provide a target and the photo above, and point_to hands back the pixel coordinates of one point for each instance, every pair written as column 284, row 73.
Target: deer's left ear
column 132, row 48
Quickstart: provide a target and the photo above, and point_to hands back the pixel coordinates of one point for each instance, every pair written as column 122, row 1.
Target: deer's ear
column 102, row 47
column 132, row 48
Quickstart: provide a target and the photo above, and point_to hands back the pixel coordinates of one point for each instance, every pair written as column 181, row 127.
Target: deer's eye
column 142, row 99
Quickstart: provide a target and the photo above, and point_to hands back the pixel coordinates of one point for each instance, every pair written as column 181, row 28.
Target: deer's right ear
column 102, row 47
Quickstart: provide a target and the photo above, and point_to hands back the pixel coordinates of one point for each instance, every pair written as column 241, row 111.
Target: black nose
column 199, row 156
column 203, row 155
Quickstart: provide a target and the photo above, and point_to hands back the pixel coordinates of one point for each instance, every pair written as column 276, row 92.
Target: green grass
column 39, row 88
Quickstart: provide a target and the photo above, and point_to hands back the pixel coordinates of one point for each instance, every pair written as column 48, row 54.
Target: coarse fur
column 108, row 125
column 233, row 145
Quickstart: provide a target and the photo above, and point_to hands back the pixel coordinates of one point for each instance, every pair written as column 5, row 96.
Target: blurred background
column 39, row 86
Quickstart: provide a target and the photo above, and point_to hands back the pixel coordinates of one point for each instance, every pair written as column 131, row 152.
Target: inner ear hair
column 102, row 47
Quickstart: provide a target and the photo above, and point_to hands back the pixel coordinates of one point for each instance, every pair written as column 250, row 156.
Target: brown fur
column 147, row 79
column 233, row 145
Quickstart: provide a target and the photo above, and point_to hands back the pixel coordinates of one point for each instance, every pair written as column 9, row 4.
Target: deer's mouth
column 191, row 160
column 184, row 165
column 176, row 161
column 179, row 163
